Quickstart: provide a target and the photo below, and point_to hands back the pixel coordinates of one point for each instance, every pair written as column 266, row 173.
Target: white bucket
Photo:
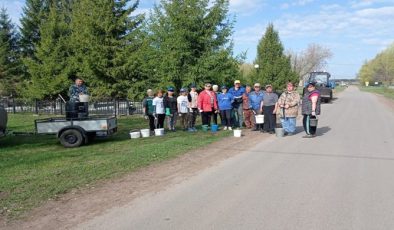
column 145, row 132
column 159, row 132
column 237, row 133
column 83, row 98
column 259, row 119
column 135, row 135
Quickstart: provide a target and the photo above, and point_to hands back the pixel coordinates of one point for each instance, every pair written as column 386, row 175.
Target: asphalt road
column 342, row 179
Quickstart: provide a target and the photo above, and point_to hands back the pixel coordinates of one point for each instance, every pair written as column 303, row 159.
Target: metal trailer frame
column 75, row 132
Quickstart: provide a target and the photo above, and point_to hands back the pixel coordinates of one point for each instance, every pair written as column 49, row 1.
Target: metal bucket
column 313, row 122
column 280, row 132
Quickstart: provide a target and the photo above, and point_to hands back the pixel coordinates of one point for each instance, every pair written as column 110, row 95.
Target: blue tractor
column 323, row 84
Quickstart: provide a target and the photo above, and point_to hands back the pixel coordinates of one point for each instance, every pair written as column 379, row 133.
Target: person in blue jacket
column 255, row 99
column 237, row 91
column 225, row 101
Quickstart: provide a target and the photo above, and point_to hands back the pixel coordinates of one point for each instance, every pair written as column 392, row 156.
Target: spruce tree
column 274, row 66
column 34, row 13
column 191, row 42
column 9, row 55
column 48, row 68
column 103, row 39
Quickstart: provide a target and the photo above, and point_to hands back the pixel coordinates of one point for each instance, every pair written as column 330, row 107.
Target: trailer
column 75, row 132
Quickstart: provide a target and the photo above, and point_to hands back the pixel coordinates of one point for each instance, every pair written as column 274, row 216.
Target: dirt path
column 80, row 205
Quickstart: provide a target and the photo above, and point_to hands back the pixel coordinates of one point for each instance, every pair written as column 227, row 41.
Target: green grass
column 34, row 169
column 387, row 92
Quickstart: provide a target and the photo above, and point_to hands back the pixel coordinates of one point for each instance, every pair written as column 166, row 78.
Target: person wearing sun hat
column 269, row 107
column 310, row 108
column 237, row 91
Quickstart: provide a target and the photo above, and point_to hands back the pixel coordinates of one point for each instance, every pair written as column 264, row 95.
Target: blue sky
column 354, row 30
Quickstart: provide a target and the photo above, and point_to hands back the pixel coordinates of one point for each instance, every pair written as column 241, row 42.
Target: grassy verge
column 37, row 168
column 387, row 92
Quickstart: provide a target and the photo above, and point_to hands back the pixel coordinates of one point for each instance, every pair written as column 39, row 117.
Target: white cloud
column 287, row 5
column 367, row 3
column 246, row 7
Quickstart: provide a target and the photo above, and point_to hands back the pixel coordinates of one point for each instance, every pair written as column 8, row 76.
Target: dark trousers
column 226, row 117
column 269, row 118
column 192, row 117
column 215, row 117
column 306, row 122
column 151, row 122
column 160, row 120
column 206, row 118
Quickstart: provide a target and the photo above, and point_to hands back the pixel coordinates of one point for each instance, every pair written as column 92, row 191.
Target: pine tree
column 103, row 39
column 274, row 66
column 48, row 68
column 191, row 42
column 9, row 55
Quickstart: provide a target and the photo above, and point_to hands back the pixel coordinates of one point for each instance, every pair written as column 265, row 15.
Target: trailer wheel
column 71, row 138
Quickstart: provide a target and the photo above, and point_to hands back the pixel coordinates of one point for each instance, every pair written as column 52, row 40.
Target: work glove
column 146, row 117
column 201, row 110
column 190, row 110
column 313, row 113
column 180, row 114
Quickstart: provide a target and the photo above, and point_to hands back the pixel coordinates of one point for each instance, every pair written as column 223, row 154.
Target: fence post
column 13, row 105
column 36, row 107
column 61, row 107
column 115, row 107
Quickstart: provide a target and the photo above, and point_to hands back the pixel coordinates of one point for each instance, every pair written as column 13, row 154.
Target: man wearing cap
column 269, row 107
column 207, row 104
column 171, row 105
column 237, row 91
column 183, row 110
column 310, row 108
column 148, row 108
column 255, row 99
column 77, row 89
column 288, row 108
column 193, row 108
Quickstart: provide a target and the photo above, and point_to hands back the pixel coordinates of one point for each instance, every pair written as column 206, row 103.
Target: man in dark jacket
column 171, row 107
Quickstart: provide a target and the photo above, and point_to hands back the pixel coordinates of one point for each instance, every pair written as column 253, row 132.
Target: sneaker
column 225, row 128
column 229, row 128
column 308, row 136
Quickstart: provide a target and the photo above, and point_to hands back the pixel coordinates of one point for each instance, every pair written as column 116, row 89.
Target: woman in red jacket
column 207, row 104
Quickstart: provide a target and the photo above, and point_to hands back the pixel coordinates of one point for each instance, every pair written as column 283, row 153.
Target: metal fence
column 57, row 107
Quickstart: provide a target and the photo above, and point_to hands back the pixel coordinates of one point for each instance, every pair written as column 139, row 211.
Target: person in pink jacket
column 207, row 104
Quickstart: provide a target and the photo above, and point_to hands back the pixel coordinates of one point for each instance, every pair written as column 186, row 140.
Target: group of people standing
column 235, row 106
